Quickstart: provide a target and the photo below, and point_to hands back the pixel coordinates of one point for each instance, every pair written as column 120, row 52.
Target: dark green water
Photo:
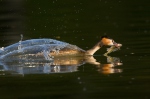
column 81, row 23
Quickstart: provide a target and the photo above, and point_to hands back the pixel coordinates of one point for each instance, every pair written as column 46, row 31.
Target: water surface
column 80, row 23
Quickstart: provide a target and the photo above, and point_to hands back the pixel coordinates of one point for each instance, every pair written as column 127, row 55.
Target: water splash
column 34, row 49
column 20, row 46
column 2, row 48
column 28, row 43
column 47, row 55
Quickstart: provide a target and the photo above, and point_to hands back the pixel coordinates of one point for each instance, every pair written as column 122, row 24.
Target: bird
column 51, row 47
column 76, row 51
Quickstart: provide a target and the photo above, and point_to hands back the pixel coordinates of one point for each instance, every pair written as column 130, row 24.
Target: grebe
column 76, row 51
column 51, row 47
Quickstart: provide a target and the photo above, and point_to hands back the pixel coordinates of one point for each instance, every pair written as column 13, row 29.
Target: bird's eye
column 112, row 40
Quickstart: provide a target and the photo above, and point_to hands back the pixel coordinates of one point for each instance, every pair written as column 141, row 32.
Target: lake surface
column 125, row 74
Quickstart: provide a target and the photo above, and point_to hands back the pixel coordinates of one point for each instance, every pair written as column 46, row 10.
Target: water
column 79, row 23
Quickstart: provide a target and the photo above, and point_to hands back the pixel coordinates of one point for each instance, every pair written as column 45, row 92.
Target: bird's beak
column 117, row 44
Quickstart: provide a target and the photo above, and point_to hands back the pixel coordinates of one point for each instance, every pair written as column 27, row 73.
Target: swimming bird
column 50, row 47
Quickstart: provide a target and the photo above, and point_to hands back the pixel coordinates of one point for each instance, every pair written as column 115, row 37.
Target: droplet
column 78, row 78
column 80, row 82
column 84, row 89
column 132, row 78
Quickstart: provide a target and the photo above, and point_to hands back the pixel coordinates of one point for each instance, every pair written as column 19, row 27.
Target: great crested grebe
column 50, row 47
column 74, row 50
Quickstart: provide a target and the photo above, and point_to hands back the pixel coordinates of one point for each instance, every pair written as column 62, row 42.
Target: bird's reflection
column 109, row 67
column 58, row 65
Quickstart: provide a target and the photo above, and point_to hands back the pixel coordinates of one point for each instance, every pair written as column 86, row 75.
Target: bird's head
column 106, row 41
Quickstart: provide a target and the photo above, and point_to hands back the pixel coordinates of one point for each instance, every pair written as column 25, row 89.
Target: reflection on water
column 109, row 67
column 58, row 65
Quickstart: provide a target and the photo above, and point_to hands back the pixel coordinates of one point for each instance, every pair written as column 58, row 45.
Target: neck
column 94, row 49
